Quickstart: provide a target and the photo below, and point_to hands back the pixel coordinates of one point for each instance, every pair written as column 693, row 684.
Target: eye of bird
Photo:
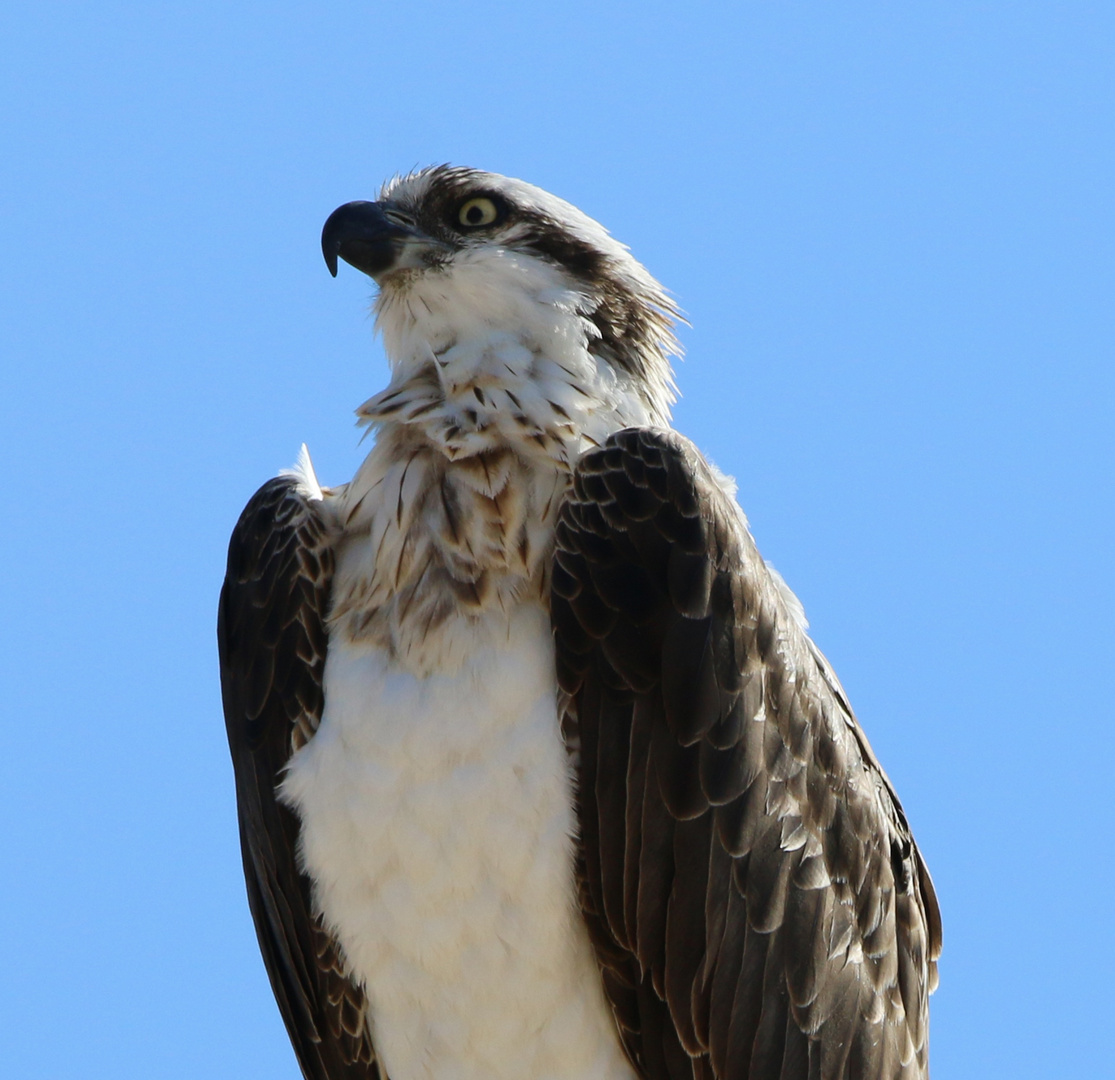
column 477, row 211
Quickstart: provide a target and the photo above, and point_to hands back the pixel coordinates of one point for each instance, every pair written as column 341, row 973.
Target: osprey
column 539, row 774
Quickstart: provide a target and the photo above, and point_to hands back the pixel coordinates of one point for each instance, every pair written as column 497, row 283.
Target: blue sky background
column 891, row 227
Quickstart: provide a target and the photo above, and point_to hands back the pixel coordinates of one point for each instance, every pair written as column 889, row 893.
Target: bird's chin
column 395, row 280
column 412, row 261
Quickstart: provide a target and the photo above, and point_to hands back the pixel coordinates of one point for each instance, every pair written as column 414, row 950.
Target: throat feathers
column 496, row 391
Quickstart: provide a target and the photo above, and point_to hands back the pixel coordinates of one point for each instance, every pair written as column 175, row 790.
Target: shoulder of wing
column 732, row 813
column 271, row 617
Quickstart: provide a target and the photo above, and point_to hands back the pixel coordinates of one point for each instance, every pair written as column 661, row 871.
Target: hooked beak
column 364, row 236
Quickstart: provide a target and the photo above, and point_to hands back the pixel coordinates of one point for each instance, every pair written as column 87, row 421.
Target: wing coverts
column 753, row 891
column 271, row 639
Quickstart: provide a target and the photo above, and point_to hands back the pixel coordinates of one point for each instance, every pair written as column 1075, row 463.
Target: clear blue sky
column 891, row 227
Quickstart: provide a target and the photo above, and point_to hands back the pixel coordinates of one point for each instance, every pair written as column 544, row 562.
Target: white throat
column 494, row 396
column 506, row 339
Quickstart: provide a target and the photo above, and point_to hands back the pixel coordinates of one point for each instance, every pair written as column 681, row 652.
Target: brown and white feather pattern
column 755, row 895
column 436, row 797
column 711, row 877
column 495, row 395
column 272, row 644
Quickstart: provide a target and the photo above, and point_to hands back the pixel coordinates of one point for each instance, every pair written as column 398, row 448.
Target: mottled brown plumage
column 749, row 884
column 756, row 899
column 271, row 636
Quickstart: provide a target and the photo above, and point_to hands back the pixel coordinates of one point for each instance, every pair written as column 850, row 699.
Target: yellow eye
column 478, row 211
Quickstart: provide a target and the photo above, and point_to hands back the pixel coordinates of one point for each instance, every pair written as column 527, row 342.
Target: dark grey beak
column 362, row 235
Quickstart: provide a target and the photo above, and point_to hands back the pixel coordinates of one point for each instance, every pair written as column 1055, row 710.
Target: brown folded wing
column 756, row 900
column 271, row 639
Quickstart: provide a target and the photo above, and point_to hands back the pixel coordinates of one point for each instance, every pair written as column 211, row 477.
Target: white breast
column 437, row 819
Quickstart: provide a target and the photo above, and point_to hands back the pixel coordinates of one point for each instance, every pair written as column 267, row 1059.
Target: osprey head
column 464, row 231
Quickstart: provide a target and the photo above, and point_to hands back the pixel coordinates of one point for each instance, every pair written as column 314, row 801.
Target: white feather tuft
column 303, row 472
